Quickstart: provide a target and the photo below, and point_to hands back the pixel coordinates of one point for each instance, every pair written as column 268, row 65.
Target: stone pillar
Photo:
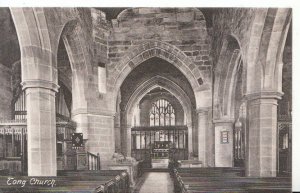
column 80, row 116
column 190, row 139
column 41, row 127
column 261, row 154
column 223, row 145
column 202, row 135
column 117, row 133
column 101, row 136
column 128, row 139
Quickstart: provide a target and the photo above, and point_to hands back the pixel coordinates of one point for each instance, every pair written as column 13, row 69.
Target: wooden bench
column 221, row 171
column 89, row 172
column 215, row 180
column 87, row 181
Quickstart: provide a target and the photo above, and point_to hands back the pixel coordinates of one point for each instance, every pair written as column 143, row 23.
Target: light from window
column 162, row 113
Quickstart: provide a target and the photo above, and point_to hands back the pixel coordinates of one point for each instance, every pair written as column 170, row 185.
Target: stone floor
column 160, row 163
column 155, row 182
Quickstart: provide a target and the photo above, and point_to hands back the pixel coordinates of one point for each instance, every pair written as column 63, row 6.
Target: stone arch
column 79, row 60
column 141, row 91
column 158, row 81
column 123, row 13
column 36, row 46
column 80, row 63
column 225, row 77
column 267, row 40
column 165, row 51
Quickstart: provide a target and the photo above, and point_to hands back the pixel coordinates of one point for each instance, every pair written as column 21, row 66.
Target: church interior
column 142, row 100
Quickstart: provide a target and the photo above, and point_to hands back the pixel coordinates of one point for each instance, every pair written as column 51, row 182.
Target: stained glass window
column 162, row 113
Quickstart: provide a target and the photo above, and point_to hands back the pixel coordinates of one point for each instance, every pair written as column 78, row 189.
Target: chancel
column 146, row 99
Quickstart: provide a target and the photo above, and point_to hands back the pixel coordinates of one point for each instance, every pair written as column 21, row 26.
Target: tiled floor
column 155, row 182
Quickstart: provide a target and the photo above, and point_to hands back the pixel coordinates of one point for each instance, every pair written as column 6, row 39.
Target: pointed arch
column 267, row 40
column 141, row 91
column 80, row 63
column 36, row 45
column 226, row 76
column 165, row 51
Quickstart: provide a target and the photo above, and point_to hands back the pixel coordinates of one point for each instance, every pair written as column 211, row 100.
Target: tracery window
column 162, row 113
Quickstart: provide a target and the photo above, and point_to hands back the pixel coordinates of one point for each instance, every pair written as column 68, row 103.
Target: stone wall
column 6, row 94
column 231, row 21
column 184, row 28
column 101, row 31
column 9, row 47
column 287, row 72
column 64, row 66
column 101, row 137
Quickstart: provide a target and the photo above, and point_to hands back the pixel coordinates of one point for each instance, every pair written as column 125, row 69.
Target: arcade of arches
column 212, row 84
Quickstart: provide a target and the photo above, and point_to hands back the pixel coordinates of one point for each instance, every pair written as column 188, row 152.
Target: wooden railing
column 13, row 145
column 93, row 161
column 13, row 141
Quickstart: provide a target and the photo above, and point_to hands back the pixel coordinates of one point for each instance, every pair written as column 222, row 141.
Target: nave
column 94, row 98
column 153, row 182
column 176, row 179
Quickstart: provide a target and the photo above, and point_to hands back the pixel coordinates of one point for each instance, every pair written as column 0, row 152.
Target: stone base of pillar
column 204, row 136
column 223, row 143
column 101, row 138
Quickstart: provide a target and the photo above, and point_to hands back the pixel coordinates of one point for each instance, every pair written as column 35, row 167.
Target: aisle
column 155, row 182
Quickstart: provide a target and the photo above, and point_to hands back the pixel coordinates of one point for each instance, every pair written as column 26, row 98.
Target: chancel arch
column 145, row 88
column 167, row 52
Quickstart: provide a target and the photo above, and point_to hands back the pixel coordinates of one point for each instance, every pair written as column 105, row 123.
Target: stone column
column 41, row 127
column 202, row 135
column 223, row 148
column 101, row 136
column 127, row 138
column 117, row 132
column 261, row 154
column 190, row 139
column 80, row 116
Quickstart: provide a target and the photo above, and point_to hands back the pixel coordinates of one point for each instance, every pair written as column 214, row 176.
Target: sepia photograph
column 138, row 99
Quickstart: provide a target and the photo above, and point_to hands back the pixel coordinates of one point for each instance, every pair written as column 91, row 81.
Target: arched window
column 162, row 113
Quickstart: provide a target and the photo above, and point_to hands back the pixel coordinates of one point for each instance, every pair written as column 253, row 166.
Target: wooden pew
column 221, row 171
column 120, row 177
column 226, row 180
column 89, row 172
column 62, row 184
column 90, row 181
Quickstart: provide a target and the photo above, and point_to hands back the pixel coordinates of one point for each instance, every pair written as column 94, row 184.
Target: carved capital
column 40, row 84
column 264, row 95
column 203, row 110
column 227, row 121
